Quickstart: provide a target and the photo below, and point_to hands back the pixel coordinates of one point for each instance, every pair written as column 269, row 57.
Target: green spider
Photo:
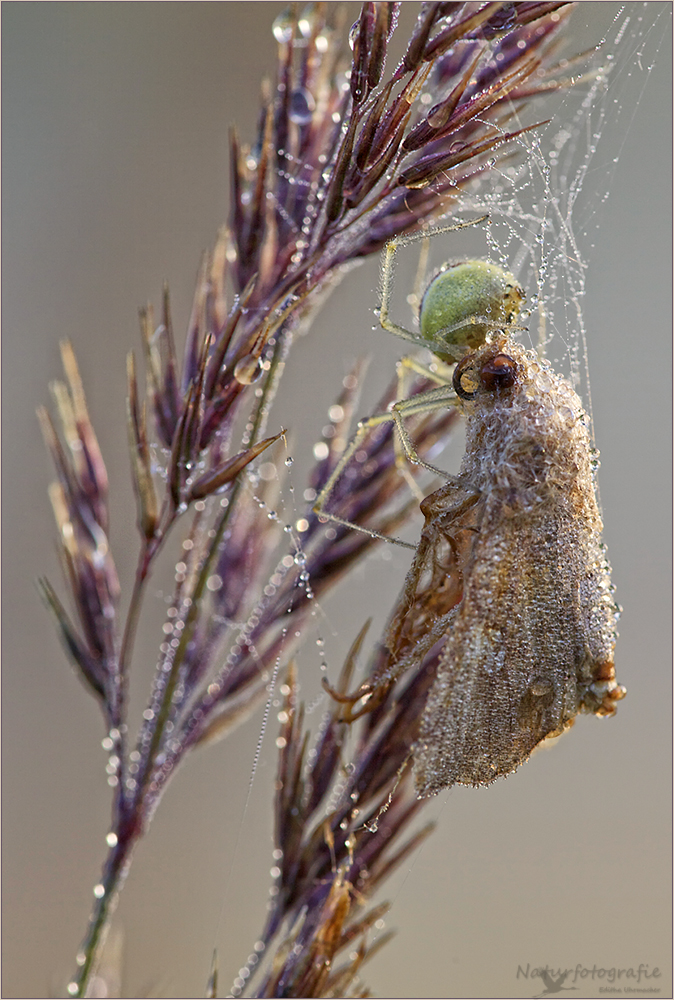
column 462, row 305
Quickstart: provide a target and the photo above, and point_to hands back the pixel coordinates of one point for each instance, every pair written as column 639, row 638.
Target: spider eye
column 498, row 373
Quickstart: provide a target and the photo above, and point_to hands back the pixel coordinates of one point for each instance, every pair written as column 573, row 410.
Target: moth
column 511, row 575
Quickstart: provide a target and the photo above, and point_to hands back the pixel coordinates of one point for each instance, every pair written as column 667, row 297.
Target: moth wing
column 507, row 677
column 434, row 582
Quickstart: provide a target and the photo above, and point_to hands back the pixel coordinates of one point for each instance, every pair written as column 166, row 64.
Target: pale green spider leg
column 409, row 366
column 425, row 402
column 438, row 344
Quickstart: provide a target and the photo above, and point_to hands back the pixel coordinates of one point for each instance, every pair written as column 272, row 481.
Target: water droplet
column 302, row 106
column 248, row 370
column 111, row 839
column 307, row 20
column 282, row 27
column 289, row 461
column 267, row 471
column 99, row 891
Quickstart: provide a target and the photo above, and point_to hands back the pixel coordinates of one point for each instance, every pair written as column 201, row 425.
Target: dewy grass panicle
column 346, row 157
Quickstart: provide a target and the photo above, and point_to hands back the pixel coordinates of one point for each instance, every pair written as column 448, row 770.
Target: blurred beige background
column 114, row 178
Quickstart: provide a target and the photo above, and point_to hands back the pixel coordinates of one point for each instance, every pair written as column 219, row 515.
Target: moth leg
column 371, row 694
column 365, row 690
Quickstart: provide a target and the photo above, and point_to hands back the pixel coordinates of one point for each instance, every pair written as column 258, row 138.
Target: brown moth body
column 511, row 570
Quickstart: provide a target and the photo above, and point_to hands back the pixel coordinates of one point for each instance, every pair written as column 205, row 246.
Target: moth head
column 494, row 374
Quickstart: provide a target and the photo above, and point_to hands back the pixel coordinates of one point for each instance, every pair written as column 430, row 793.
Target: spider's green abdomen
column 465, row 302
